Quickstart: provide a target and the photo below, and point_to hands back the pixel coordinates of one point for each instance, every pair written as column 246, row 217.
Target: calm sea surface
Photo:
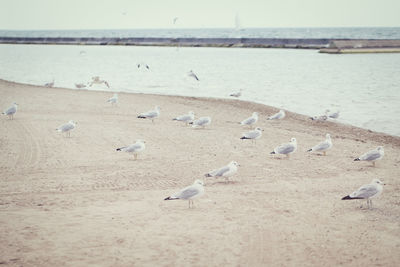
column 365, row 87
column 338, row 33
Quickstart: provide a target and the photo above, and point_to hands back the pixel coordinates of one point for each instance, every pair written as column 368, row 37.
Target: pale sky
column 137, row 14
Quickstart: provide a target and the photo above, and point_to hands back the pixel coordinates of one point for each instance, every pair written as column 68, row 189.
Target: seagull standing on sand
column 278, row 116
column 152, row 114
column 319, row 118
column 237, row 94
column 191, row 74
column 372, row 155
column 190, row 193
column 225, row 171
column 323, row 146
column 251, row 120
column 67, row 128
column 113, row 100
column 135, row 148
column 80, row 85
column 186, row 118
column 201, row 122
column 253, row 135
column 368, row 191
column 332, row 115
column 49, row 84
column 286, row 149
column 11, row 111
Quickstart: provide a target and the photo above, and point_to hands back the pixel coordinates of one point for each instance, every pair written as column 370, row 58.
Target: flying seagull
column 191, row 74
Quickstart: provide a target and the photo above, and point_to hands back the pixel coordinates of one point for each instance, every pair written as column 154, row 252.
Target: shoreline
column 229, row 100
column 78, row 201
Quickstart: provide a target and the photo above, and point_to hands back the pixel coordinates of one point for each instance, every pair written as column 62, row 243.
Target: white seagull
column 96, row 80
column 278, row 116
column 323, row 146
column 191, row 74
column 49, row 84
column 201, row 122
column 372, row 155
column 80, row 85
column 367, row 192
column 286, row 149
column 151, row 114
column 332, row 115
column 135, row 148
column 237, row 94
column 225, row 171
column 253, row 135
column 11, row 111
column 250, row 120
column 186, row 118
column 190, row 193
column 113, row 100
column 67, row 128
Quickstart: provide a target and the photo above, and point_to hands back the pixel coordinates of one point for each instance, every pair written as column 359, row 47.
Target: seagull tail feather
column 171, row 198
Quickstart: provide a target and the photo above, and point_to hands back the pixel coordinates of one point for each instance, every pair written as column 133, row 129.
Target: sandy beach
column 78, row 202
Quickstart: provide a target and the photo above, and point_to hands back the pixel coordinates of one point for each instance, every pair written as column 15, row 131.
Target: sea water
column 364, row 87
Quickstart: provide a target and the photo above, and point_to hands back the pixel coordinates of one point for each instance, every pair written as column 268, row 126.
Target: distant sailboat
column 238, row 23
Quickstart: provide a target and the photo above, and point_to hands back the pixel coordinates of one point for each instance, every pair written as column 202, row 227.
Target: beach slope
column 77, row 201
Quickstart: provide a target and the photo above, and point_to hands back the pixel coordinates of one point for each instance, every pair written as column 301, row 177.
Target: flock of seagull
column 196, row 190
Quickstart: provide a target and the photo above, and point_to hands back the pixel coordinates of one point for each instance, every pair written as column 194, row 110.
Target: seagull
column 253, row 135
column 323, row 146
column 278, row 116
column 96, row 80
column 332, row 115
column 237, row 94
column 191, row 74
column 225, row 171
column 368, row 191
column 135, row 148
column 80, row 85
column 286, row 149
column 49, row 84
column 201, row 122
column 67, row 128
column 186, row 118
column 11, row 111
column 113, row 100
column 190, row 193
column 152, row 114
column 251, row 120
column 319, row 118
column 372, row 155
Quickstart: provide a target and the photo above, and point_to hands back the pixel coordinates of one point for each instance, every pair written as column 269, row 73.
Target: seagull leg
column 324, row 153
column 373, row 163
column 135, row 156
